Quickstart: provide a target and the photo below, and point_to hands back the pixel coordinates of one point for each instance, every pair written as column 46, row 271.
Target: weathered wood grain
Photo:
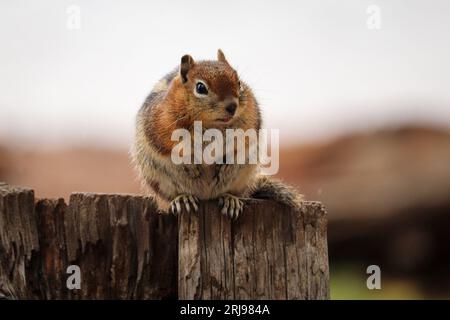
column 270, row 252
column 18, row 240
column 126, row 249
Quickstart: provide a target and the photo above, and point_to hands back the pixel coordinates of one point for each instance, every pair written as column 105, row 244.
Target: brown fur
column 180, row 108
column 173, row 105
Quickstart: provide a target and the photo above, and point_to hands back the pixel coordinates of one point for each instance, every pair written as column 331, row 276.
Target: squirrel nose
column 231, row 108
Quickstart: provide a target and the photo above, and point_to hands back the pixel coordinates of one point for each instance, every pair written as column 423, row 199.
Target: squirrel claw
column 230, row 205
column 176, row 204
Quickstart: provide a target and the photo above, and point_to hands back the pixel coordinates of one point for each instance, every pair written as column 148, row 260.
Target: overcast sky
column 316, row 67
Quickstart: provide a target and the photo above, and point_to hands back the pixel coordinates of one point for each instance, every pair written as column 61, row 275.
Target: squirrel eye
column 200, row 88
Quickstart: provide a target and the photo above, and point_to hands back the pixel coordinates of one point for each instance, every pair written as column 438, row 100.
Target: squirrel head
column 213, row 90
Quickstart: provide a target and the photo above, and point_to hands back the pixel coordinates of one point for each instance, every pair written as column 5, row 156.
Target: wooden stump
column 126, row 249
column 270, row 252
column 18, row 241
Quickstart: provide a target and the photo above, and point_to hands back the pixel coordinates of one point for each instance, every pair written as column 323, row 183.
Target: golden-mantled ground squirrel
column 210, row 92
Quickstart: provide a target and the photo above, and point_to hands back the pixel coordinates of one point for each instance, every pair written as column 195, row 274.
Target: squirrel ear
column 186, row 64
column 221, row 56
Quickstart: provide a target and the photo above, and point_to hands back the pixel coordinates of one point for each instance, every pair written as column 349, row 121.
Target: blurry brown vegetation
column 387, row 193
column 388, row 196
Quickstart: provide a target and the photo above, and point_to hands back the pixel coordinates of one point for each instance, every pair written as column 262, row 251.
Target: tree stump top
column 126, row 249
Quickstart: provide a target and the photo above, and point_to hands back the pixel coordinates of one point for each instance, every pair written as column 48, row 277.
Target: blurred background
column 359, row 90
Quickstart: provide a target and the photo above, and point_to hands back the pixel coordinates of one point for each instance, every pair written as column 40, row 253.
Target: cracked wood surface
column 270, row 252
column 126, row 249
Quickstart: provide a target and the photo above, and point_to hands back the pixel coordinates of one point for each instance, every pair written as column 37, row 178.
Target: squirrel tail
column 274, row 189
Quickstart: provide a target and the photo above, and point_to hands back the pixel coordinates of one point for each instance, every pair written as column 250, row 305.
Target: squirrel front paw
column 230, row 205
column 186, row 200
